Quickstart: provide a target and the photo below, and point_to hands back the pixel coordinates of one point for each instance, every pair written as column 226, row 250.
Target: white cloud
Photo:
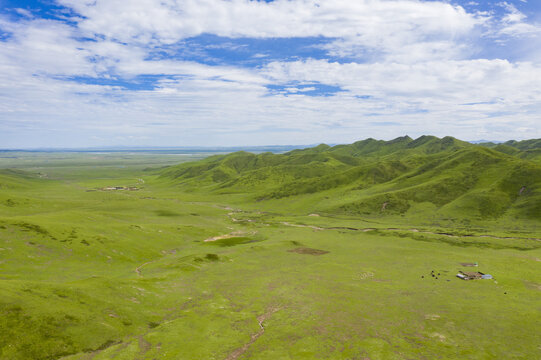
column 44, row 47
column 462, row 98
column 173, row 20
column 514, row 23
column 383, row 25
column 412, row 68
column 24, row 12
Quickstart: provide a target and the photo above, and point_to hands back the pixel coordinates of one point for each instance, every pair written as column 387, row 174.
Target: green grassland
column 344, row 252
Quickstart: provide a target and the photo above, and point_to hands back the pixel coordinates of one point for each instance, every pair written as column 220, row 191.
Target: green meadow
column 344, row 252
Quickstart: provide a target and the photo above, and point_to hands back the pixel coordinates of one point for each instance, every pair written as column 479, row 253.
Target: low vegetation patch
column 308, row 251
column 232, row 241
column 166, row 213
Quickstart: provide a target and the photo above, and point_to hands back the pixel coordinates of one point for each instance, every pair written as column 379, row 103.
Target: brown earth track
column 319, row 228
column 138, row 269
column 260, row 319
column 230, row 235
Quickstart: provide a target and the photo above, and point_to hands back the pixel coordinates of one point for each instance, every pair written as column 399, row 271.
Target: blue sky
column 80, row 73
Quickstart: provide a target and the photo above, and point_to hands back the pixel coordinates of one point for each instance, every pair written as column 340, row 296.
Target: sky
column 94, row 73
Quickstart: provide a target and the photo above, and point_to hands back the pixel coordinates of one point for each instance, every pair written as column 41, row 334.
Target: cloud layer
column 215, row 72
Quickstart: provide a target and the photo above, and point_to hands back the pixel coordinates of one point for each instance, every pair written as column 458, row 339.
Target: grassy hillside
column 14, row 179
column 454, row 179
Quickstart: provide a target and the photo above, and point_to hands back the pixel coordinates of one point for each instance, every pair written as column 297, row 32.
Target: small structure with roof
column 467, row 275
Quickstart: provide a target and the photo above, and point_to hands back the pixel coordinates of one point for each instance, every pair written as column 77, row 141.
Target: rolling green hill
column 452, row 178
column 526, row 149
column 520, row 145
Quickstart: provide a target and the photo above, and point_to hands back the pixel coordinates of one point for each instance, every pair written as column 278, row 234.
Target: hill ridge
column 384, row 178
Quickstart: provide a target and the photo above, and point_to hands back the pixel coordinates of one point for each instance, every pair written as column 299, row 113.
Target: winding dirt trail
column 261, row 319
column 303, row 226
column 447, row 234
column 409, row 230
column 138, row 269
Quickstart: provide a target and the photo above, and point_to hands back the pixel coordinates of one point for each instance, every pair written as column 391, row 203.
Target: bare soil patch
column 230, row 235
column 144, row 345
column 302, row 226
column 532, row 285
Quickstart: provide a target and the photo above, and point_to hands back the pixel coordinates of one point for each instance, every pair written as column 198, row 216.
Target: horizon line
column 121, row 148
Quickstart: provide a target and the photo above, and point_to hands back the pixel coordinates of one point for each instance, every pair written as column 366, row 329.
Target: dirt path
column 138, row 269
column 466, row 236
column 409, row 230
column 304, row 226
column 319, row 228
column 261, row 319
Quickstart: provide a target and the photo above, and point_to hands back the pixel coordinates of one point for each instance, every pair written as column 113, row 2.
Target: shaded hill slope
column 470, row 183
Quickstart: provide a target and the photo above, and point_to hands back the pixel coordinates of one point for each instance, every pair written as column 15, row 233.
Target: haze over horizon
column 214, row 148
column 75, row 73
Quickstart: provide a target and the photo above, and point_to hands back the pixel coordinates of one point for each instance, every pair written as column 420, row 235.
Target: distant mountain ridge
column 521, row 145
column 397, row 177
